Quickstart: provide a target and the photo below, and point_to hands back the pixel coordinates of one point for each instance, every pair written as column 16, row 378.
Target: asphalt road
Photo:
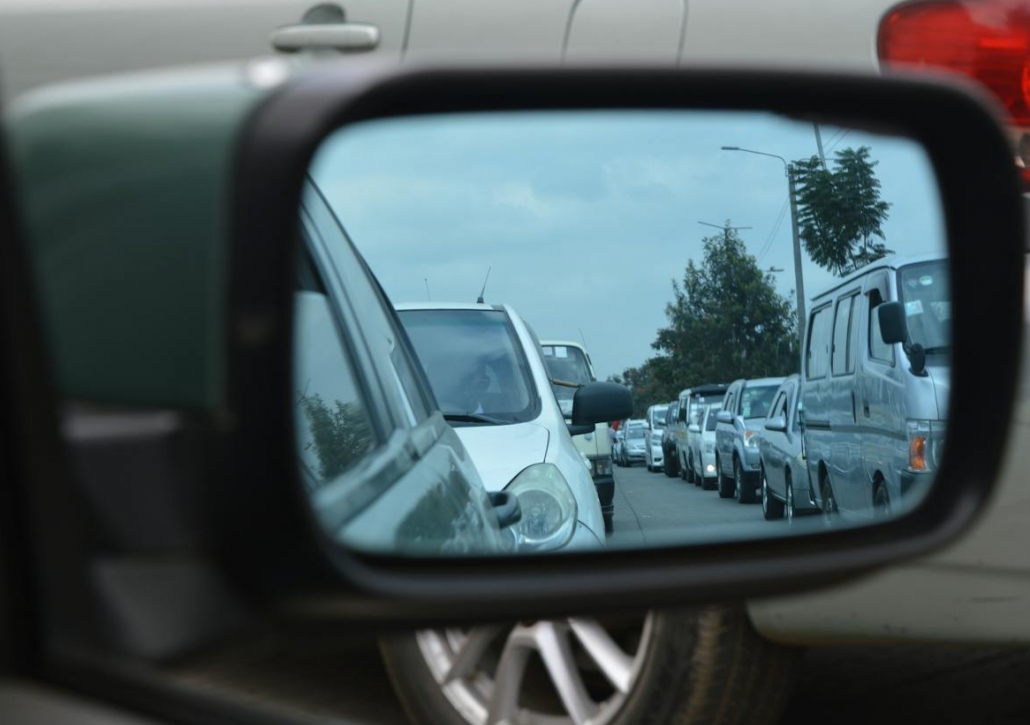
column 651, row 508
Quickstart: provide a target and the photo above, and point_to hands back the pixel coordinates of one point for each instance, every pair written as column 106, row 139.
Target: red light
column 987, row 40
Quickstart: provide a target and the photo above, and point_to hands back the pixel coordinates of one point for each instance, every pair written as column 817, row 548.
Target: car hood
column 501, row 452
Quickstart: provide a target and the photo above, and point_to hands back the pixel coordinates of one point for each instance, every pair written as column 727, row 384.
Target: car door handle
column 506, row 506
column 346, row 37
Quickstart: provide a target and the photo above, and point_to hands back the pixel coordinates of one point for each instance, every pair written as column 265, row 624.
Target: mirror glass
column 476, row 293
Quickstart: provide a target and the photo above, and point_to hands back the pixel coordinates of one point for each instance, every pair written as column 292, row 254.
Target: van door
column 880, row 393
column 846, row 450
column 814, row 391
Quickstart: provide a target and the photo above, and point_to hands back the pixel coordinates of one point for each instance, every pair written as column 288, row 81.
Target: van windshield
column 924, row 291
column 570, row 365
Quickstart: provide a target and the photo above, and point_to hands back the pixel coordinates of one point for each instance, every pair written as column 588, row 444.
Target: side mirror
column 694, row 428
column 893, row 325
column 599, row 402
column 779, row 423
column 724, row 417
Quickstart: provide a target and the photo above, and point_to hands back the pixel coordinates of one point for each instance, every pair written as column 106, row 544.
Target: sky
column 584, row 218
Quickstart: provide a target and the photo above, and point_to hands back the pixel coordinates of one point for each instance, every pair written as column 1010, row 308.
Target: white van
column 875, row 385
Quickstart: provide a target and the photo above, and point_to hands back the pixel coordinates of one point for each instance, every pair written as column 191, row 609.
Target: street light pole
column 799, row 282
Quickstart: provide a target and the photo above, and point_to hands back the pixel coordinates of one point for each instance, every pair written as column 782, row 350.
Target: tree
column 840, row 211
column 339, row 435
column 651, row 384
column 726, row 321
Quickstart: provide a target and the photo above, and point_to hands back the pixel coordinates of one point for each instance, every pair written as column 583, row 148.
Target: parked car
column 743, row 413
column 669, row 439
column 702, row 446
column 634, row 442
column 875, row 385
column 784, row 475
column 692, row 401
column 654, row 456
column 569, row 362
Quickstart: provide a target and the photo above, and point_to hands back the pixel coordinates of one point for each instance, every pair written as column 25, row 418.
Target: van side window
column 817, row 356
column 878, row 349
column 840, row 336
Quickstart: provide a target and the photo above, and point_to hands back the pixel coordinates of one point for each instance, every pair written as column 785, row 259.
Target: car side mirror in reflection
column 724, row 417
column 694, row 428
column 599, row 402
column 779, row 423
column 893, row 326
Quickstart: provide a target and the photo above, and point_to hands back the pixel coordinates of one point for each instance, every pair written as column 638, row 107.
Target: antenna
column 428, row 296
column 483, row 291
column 583, row 338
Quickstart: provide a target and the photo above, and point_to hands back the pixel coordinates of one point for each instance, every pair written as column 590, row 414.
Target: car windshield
column 924, row 291
column 568, row 364
column 635, row 432
column 658, row 417
column 756, row 400
column 474, row 363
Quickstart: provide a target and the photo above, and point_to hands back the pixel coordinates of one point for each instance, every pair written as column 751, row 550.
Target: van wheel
column 725, row 482
column 882, row 508
column 687, row 666
column 829, row 507
column 772, row 508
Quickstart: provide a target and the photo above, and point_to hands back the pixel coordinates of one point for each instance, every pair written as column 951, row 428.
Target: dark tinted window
column 818, row 354
column 840, row 336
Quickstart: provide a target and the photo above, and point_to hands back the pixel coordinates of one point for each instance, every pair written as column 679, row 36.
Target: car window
column 777, row 407
column 333, row 426
column 474, row 362
column 756, row 399
column 841, row 323
column 713, row 417
column 854, row 343
column 818, row 353
column 353, row 281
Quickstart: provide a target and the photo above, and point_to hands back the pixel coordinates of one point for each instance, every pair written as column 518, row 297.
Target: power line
column 775, row 230
column 846, row 131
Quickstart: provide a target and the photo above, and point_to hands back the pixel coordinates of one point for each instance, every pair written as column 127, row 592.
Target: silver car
column 702, row 446
column 736, row 443
column 875, row 385
column 784, row 483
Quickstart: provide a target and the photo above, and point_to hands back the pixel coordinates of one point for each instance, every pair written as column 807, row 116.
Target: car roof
column 447, row 306
column 891, row 263
column 764, row 381
column 565, row 343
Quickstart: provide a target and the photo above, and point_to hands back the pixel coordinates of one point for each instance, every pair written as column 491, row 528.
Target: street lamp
column 799, row 282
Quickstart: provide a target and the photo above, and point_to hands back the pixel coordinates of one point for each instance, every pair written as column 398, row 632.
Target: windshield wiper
column 472, row 418
column 939, row 349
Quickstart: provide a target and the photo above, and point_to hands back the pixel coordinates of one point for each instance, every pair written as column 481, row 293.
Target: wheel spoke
column 616, row 665
column 556, row 652
column 508, row 680
column 471, row 652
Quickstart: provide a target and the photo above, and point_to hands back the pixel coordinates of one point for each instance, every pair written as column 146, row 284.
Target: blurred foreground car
column 784, row 474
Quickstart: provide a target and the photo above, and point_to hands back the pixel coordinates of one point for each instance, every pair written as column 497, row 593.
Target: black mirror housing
column 893, row 325
column 600, row 402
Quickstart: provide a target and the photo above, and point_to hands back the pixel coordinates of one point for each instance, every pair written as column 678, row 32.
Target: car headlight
column 751, row 438
column 548, row 509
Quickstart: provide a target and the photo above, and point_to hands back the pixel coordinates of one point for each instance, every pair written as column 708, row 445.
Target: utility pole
column 725, row 229
column 819, row 143
column 799, row 289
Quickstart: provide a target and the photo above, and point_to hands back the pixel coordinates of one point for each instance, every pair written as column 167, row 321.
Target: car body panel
column 501, row 452
column 702, row 446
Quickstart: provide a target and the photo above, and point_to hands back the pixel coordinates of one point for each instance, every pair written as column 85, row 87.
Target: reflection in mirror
column 781, row 318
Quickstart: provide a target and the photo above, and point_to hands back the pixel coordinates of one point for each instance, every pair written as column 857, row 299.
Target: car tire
column 689, row 478
column 609, row 523
column 725, row 483
column 741, row 490
column 788, row 508
column 882, row 505
column 671, row 469
column 772, row 508
column 693, row 667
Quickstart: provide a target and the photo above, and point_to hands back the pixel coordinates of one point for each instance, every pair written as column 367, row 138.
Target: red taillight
column 987, row 40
